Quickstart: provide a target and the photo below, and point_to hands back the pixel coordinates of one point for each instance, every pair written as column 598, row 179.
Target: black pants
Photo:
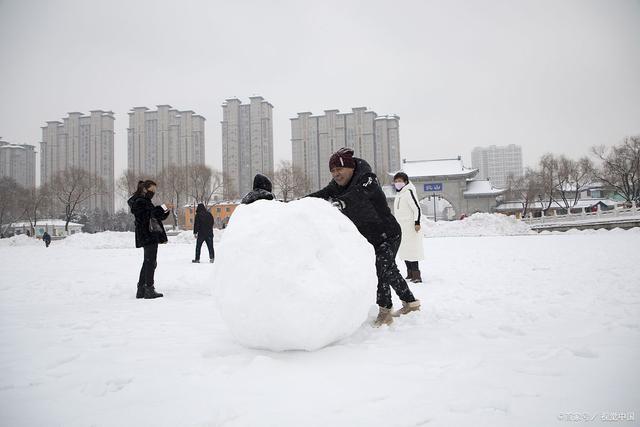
column 388, row 274
column 148, row 265
column 209, row 241
column 412, row 266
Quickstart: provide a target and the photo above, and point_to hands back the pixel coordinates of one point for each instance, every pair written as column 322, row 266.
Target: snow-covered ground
column 521, row 330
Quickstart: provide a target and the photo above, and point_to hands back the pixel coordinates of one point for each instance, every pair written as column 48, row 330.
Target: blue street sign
column 436, row 186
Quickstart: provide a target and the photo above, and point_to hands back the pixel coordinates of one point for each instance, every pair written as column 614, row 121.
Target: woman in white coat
column 407, row 212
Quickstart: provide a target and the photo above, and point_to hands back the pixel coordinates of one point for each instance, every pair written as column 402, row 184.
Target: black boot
column 140, row 293
column 408, row 264
column 416, row 277
column 150, row 292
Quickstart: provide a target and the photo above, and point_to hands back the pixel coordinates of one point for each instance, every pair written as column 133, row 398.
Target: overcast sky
column 552, row 76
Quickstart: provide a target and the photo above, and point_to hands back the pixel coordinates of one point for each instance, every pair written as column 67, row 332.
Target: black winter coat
column 364, row 204
column 203, row 224
column 142, row 208
column 261, row 190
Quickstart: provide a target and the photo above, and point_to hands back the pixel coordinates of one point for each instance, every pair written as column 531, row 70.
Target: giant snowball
column 293, row 276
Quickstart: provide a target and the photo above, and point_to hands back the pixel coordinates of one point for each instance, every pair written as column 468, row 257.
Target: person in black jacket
column 203, row 230
column 262, row 188
column 46, row 238
column 354, row 189
column 149, row 233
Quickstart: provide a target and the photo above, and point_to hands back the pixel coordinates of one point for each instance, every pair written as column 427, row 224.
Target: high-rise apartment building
column 373, row 138
column 496, row 163
column 166, row 136
column 18, row 162
column 247, row 143
column 84, row 142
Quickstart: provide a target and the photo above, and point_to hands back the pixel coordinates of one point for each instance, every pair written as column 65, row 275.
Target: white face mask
column 399, row 185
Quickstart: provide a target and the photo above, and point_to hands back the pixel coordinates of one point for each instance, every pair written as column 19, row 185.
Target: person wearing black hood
column 354, row 189
column 203, row 230
column 46, row 238
column 261, row 190
column 149, row 233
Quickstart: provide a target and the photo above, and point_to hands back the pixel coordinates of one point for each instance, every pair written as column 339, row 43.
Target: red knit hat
column 343, row 158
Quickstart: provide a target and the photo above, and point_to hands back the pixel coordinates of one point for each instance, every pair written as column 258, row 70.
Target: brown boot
column 416, row 277
column 407, row 307
column 384, row 317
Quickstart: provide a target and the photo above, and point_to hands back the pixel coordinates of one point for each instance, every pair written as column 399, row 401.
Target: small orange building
column 221, row 212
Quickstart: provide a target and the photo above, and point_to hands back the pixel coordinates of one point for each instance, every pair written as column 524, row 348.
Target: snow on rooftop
column 582, row 203
column 482, row 187
column 41, row 222
column 441, row 167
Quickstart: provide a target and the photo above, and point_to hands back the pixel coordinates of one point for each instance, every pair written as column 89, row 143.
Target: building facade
column 452, row 181
column 166, row 136
column 221, row 212
column 247, row 143
column 84, row 142
column 18, row 162
column 373, row 138
column 496, row 163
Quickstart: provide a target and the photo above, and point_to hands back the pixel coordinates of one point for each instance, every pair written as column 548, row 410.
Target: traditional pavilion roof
column 482, row 187
column 450, row 168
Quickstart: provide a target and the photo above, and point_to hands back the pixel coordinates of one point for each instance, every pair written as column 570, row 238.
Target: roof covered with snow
column 582, row 203
column 482, row 187
column 437, row 168
column 44, row 222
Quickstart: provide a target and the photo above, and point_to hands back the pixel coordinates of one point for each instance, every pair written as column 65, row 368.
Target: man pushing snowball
column 354, row 189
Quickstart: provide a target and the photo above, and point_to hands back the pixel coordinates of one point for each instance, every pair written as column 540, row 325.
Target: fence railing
column 617, row 212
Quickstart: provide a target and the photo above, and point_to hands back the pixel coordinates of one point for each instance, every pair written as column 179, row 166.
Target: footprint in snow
column 511, row 330
column 585, row 352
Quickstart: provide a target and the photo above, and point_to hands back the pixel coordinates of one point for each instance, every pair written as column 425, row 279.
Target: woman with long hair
column 149, row 233
column 407, row 213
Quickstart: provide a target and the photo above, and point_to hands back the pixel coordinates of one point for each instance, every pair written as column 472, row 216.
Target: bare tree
column 547, row 180
column 36, row 201
column 620, row 167
column 524, row 188
column 571, row 179
column 290, row 182
column 203, row 182
column 72, row 187
column 127, row 184
column 10, row 209
column 173, row 184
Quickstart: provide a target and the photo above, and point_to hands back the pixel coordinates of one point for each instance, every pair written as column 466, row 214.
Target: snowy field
column 515, row 330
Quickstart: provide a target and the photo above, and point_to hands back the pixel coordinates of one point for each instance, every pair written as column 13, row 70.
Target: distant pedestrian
column 46, row 238
column 355, row 190
column 203, row 230
column 262, row 188
column 407, row 211
column 149, row 233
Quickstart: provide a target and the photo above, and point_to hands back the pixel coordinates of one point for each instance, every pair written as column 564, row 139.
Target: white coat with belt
column 407, row 212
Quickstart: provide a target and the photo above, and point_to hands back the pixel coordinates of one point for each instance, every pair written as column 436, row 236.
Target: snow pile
column 103, row 240
column 293, row 276
column 184, row 237
column 187, row 237
column 478, row 224
column 20, row 240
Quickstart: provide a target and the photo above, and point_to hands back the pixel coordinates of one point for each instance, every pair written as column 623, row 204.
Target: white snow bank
column 20, row 240
column 187, row 237
column 103, row 240
column 115, row 240
column 478, row 224
column 293, row 276
column 183, row 237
